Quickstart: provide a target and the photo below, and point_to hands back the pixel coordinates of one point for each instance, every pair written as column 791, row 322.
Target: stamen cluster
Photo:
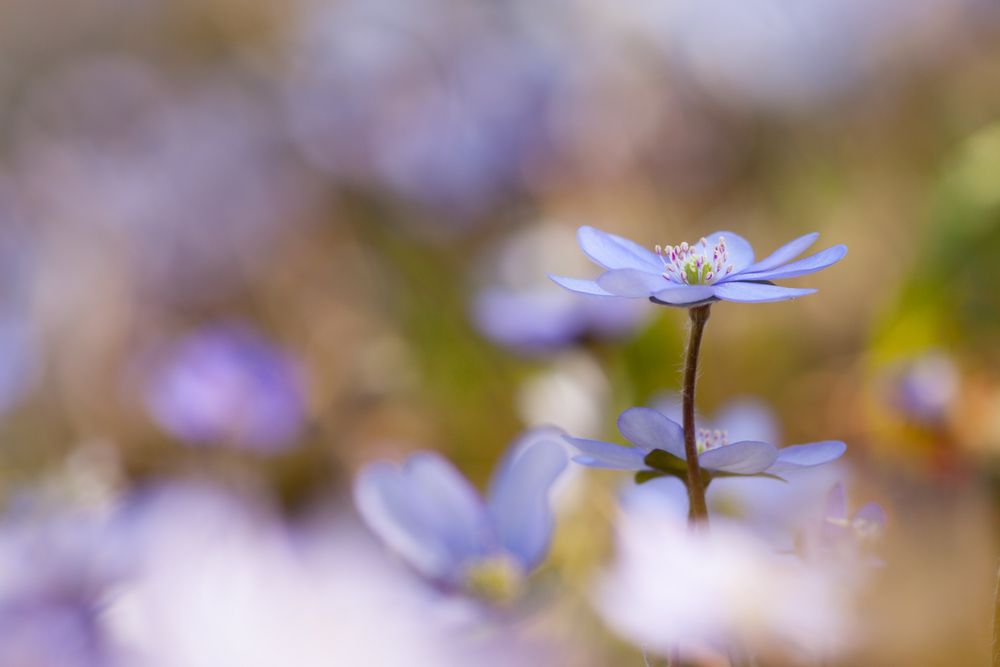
column 710, row 439
column 695, row 264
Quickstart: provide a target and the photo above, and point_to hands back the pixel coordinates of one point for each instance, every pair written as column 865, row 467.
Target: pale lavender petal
column 531, row 320
column 836, row 503
column 597, row 454
column 522, row 444
column 745, row 458
column 631, row 282
column 757, row 292
column 739, row 249
column 403, row 519
column 456, row 508
column 835, row 524
column 580, row 285
column 805, row 456
column 648, row 429
column 685, row 294
column 784, row 254
column 519, row 502
column 871, row 516
column 803, row 267
column 616, row 252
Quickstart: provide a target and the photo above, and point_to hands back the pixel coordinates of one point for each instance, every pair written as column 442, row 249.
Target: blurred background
column 256, row 244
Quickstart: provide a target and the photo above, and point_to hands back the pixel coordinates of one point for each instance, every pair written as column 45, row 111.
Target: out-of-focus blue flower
column 439, row 104
column 191, row 189
column 227, row 385
column 845, row 534
column 791, row 57
column 658, row 449
column 523, row 310
column 56, row 576
column 720, row 266
column 925, row 388
column 432, row 516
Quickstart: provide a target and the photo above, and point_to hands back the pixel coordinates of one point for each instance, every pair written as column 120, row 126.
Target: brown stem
column 696, row 487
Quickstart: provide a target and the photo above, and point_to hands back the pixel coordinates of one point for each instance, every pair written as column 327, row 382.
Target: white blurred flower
column 224, row 584
column 709, row 593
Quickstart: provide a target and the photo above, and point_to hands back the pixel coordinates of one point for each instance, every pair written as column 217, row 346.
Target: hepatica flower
column 658, row 449
column 428, row 513
column 845, row 534
column 720, row 266
column 670, row 589
column 228, row 385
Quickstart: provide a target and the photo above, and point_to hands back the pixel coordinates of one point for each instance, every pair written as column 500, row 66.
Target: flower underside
column 696, row 264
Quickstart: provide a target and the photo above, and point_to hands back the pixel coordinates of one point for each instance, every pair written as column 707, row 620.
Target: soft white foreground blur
column 708, row 593
column 221, row 584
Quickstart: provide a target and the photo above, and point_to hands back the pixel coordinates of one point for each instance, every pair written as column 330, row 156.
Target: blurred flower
column 57, row 574
column 573, row 391
column 925, row 388
column 659, row 450
column 719, row 267
column 792, row 57
column 438, row 103
column 192, row 188
column 222, row 581
column 523, row 310
column 777, row 512
column 227, row 385
column 708, row 593
column 428, row 513
column 19, row 359
column 844, row 535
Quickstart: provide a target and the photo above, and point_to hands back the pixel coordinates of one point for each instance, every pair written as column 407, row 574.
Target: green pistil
column 694, row 274
column 497, row 579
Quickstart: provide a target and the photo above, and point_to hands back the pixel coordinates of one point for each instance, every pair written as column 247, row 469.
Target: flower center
column 710, row 439
column 696, row 264
column 496, row 578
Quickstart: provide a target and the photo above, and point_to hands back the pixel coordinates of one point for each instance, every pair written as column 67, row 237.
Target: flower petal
column 872, row 515
column 836, row 503
column 631, row 282
column 519, row 501
column 648, row 429
column 739, row 249
column 685, row 294
column 806, row 456
column 757, row 292
column 784, row 254
column 597, row 454
column 803, row 267
column 745, row 458
column 426, row 512
column 579, row 285
column 616, row 252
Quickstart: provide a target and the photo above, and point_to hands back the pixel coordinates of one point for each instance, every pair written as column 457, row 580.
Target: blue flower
column 718, row 267
column 533, row 317
column 228, row 385
column 658, row 449
column 842, row 530
column 428, row 513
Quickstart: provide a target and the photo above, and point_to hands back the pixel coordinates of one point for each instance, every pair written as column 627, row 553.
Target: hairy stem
column 695, row 483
